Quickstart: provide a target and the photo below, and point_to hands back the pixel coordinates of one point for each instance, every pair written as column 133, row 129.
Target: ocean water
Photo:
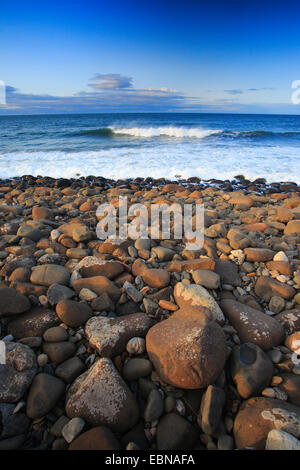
column 157, row 145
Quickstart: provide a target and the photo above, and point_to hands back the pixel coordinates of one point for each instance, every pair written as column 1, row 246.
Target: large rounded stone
column 44, row 393
column 252, row 325
column 258, row 416
column 18, row 372
column 12, row 302
column 101, row 397
column 111, row 335
column 197, row 296
column 188, row 350
column 73, row 313
column 251, row 369
column 49, row 274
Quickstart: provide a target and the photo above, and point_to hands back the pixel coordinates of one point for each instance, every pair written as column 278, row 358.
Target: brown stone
column 33, row 323
column 252, row 325
column 266, row 287
column 281, row 266
column 99, row 438
column 110, row 335
column 259, row 254
column 99, row 285
column 188, row 350
column 73, row 313
column 258, row 416
column 290, row 320
column 158, row 278
column 101, row 397
column 191, row 265
column 12, row 302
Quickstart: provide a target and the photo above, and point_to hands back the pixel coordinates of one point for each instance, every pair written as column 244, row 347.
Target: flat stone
column 49, row 274
column 91, row 266
column 252, row 325
column 259, row 254
column 206, row 278
column 266, row 287
column 191, row 265
column 33, row 323
column 100, row 285
column 101, row 397
column 111, row 335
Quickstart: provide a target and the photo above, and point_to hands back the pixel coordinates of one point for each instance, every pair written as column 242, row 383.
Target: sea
column 174, row 146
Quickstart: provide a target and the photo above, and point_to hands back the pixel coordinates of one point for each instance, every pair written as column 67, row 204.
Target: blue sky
column 114, row 56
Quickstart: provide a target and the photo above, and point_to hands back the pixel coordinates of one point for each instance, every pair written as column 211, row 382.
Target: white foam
column 272, row 163
column 167, row 131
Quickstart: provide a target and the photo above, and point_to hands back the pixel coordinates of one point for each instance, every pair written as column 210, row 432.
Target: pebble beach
column 144, row 344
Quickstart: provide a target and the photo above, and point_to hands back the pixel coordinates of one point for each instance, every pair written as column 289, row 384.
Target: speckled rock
column 91, row 266
column 290, row 320
column 33, row 323
column 101, row 397
column 258, row 416
column 195, row 295
column 18, row 372
column 252, row 325
column 110, row 335
column 188, row 350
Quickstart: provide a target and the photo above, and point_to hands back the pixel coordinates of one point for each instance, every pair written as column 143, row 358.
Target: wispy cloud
column 111, row 81
column 237, row 91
